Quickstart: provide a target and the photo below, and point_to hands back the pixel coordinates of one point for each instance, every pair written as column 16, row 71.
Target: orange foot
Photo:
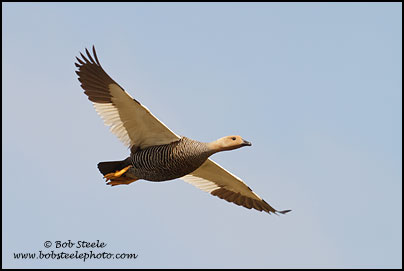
column 116, row 177
column 121, row 180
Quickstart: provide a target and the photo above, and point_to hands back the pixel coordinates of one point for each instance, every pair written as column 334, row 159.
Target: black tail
column 112, row 166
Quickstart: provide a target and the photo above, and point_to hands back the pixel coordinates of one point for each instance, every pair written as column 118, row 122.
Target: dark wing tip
column 284, row 212
column 79, row 60
column 95, row 56
column 94, row 80
column 89, row 56
column 84, row 58
column 88, row 59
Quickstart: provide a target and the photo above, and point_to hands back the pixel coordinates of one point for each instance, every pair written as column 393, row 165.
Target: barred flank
column 170, row 161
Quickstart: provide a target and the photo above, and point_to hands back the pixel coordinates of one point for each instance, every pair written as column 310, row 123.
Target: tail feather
column 112, row 166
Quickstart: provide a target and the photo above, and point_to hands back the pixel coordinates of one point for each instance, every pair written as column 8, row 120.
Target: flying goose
column 157, row 153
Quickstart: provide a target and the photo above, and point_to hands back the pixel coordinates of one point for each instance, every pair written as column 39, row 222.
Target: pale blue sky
column 317, row 89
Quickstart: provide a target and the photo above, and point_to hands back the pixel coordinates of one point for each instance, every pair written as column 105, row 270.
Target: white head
column 228, row 143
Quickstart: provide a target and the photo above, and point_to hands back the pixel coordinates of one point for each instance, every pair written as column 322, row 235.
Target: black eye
column 233, row 138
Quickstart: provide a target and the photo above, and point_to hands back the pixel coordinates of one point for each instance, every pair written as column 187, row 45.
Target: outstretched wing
column 214, row 179
column 129, row 120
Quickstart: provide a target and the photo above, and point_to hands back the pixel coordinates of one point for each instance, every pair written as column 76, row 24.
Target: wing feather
column 219, row 182
column 129, row 120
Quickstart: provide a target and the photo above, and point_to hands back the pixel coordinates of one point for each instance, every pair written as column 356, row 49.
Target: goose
column 156, row 153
